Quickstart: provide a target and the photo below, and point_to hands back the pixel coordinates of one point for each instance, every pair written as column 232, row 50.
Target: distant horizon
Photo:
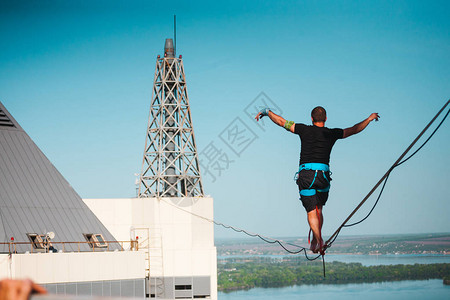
column 340, row 236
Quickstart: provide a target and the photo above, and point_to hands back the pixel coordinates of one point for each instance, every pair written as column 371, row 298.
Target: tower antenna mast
column 174, row 34
column 170, row 167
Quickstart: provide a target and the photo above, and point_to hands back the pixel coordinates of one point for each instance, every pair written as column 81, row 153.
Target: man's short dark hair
column 319, row 114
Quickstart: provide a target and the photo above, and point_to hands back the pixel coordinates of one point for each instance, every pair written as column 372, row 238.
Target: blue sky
column 78, row 78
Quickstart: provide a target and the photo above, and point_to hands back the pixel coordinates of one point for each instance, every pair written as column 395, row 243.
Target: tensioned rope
column 331, row 240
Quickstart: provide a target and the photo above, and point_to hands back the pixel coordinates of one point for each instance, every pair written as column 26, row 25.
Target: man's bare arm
column 279, row 120
column 360, row 126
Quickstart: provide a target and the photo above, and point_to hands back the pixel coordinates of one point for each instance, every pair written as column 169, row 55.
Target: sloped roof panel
column 35, row 197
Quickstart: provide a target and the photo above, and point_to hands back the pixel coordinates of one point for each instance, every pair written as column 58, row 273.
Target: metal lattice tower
column 170, row 167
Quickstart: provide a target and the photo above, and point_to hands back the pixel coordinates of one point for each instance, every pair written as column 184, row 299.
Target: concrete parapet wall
column 74, row 267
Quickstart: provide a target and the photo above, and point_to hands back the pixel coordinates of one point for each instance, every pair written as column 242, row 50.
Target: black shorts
column 304, row 180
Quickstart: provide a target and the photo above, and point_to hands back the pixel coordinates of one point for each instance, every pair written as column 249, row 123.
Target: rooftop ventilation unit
column 5, row 120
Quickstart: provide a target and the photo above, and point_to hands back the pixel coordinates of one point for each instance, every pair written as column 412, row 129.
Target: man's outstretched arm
column 360, row 126
column 279, row 120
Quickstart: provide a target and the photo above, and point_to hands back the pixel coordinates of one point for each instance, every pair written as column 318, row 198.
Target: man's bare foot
column 318, row 246
column 313, row 245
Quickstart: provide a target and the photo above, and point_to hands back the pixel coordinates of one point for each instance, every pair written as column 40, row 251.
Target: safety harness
column 316, row 167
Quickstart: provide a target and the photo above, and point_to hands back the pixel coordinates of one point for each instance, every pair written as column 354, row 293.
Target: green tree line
column 265, row 272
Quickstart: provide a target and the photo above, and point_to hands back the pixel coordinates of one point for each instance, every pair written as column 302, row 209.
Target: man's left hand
column 14, row 289
column 374, row 116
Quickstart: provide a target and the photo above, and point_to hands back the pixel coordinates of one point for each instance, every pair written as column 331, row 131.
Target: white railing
column 123, row 246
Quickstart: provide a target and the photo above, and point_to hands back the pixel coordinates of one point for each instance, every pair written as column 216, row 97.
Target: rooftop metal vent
column 4, row 120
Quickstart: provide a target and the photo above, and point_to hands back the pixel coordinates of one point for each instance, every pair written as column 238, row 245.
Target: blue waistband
column 315, row 166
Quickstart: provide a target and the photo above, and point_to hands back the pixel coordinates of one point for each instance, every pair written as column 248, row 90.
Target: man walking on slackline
column 314, row 173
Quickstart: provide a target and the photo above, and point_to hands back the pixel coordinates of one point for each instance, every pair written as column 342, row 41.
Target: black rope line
column 332, row 241
column 264, row 238
column 418, row 149
column 271, row 241
column 373, row 207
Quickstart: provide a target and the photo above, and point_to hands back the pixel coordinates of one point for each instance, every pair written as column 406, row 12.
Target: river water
column 423, row 289
column 411, row 290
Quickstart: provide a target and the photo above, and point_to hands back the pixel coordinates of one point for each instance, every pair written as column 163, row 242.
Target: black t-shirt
column 316, row 142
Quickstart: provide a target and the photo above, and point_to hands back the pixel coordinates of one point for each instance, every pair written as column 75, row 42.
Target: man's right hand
column 262, row 113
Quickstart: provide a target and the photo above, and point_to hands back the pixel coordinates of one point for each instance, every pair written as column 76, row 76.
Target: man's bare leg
column 316, row 226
